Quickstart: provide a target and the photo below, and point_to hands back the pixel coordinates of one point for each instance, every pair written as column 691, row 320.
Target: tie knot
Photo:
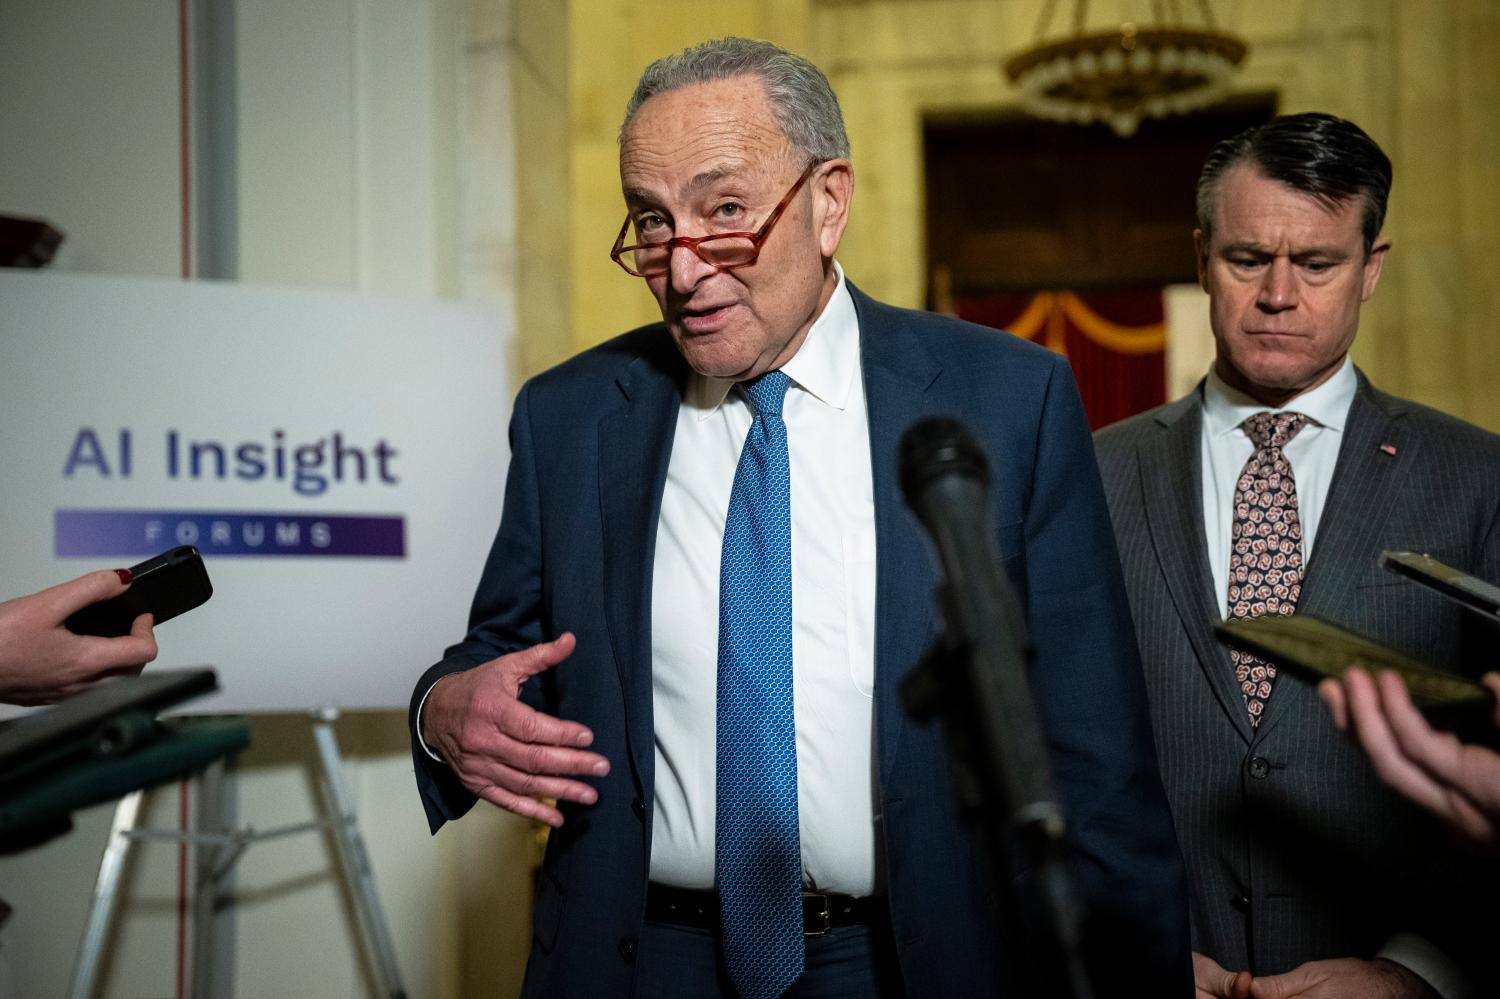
column 1274, row 429
column 767, row 392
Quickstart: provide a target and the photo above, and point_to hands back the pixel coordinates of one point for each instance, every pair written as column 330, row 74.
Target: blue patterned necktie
column 758, row 855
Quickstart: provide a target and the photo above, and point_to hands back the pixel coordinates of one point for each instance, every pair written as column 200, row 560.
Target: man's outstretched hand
column 504, row 751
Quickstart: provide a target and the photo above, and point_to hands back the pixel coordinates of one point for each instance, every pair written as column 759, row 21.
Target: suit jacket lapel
column 898, row 371
column 1366, row 479
column 635, row 448
column 1172, row 483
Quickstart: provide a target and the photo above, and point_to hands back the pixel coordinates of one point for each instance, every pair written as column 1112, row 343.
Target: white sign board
column 339, row 460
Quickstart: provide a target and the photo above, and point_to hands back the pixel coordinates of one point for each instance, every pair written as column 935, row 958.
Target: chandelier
column 1132, row 72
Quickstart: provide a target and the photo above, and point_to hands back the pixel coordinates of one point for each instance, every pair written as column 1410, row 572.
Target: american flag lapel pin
column 1389, row 449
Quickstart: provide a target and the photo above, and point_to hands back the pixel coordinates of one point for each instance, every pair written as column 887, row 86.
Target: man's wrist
column 421, row 724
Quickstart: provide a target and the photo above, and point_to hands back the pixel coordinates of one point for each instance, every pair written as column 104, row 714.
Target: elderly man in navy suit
column 705, row 592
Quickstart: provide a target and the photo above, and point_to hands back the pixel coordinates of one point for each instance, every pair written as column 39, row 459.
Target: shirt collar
column 824, row 366
column 1225, row 408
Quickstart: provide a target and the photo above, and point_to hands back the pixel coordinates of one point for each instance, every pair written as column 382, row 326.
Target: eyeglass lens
column 718, row 251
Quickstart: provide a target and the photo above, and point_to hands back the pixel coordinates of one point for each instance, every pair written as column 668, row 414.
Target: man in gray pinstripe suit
column 1303, row 867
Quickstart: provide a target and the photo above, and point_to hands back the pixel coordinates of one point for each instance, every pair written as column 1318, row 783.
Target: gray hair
column 802, row 101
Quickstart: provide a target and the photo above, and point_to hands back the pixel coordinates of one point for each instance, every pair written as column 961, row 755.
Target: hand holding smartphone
column 163, row 586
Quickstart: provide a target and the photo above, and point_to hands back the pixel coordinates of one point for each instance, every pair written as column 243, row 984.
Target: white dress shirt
column 833, row 612
column 1313, row 453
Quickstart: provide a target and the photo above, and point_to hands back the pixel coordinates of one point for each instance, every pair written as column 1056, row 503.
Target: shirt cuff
column 423, row 743
column 1418, row 955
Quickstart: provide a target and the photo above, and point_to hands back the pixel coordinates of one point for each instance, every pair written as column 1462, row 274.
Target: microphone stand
column 975, row 678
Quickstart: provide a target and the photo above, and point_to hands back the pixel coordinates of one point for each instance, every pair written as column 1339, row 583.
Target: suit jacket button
column 627, row 950
column 1241, row 903
column 1259, row 768
column 638, row 808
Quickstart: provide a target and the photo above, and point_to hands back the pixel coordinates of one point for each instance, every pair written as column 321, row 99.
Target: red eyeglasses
column 722, row 250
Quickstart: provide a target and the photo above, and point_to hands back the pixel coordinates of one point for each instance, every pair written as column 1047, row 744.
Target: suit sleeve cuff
column 1421, row 958
column 428, row 750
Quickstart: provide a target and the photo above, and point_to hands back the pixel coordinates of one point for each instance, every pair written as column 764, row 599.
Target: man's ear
column 1374, row 263
column 833, row 188
column 1200, row 254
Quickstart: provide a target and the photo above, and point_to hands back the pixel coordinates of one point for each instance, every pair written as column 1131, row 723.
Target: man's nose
column 1278, row 288
column 687, row 269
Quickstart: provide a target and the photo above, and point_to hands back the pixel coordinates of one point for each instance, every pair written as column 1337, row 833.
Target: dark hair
column 1331, row 159
column 801, row 100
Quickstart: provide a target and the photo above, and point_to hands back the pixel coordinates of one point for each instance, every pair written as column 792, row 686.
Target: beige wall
column 541, row 95
column 1418, row 77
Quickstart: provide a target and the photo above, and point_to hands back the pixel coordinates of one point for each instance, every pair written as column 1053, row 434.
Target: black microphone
column 978, row 678
column 945, row 478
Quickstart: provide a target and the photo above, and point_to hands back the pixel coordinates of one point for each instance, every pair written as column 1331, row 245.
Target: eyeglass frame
column 757, row 238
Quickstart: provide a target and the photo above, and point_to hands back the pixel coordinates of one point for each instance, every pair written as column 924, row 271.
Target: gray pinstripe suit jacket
column 1295, row 851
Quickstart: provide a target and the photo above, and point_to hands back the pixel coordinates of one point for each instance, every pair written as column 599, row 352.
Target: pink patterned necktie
column 1265, row 553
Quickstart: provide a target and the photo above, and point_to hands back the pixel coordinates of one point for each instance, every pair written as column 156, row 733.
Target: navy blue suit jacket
column 590, row 444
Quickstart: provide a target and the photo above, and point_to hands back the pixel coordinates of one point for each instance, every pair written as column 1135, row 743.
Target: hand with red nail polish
column 503, row 750
column 41, row 661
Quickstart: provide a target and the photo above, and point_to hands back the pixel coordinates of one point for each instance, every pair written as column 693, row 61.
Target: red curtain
column 1114, row 340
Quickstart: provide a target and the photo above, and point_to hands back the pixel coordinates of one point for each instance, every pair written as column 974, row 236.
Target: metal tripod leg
column 353, row 860
column 106, row 895
column 214, row 854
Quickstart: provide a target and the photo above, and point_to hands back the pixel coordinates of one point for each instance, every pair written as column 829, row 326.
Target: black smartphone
column 164, row 586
